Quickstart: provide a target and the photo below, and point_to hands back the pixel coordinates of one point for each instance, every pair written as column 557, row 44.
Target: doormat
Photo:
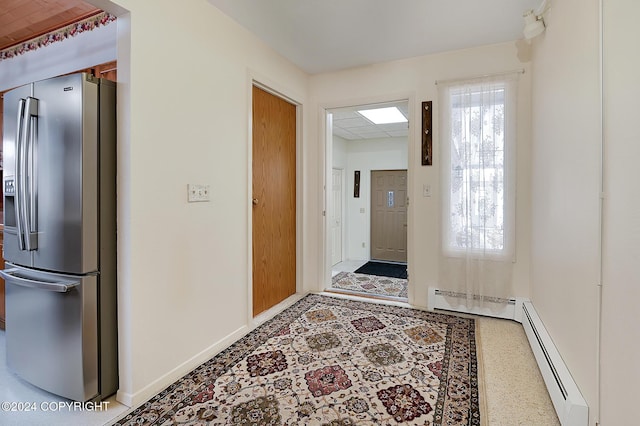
column 382, row 269
column 330, row 361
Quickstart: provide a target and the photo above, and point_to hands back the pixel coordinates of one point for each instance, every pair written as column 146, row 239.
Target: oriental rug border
column 332, row 361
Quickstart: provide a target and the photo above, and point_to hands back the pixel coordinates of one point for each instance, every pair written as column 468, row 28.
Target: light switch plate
column 197, row 193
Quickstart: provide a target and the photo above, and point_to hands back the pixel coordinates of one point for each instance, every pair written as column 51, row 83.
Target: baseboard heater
column 491, row 306
column 570, row 406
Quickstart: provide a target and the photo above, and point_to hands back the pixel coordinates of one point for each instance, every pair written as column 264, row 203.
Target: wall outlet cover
column 426, row 190
column 197, row 193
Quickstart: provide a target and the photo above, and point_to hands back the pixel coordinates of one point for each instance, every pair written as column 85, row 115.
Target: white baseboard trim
column 139, row 397
column 275, row 310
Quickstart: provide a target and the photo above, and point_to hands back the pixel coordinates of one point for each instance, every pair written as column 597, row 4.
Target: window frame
column 509, row 101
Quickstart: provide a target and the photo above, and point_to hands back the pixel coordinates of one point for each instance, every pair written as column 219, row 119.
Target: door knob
column 255, row 201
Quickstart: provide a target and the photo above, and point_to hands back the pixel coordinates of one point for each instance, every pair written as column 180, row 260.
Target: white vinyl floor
column 22, row 404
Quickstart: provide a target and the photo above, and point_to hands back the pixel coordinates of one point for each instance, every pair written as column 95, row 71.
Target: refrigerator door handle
column 19, row 172
column 30, row 178
column 10, row 275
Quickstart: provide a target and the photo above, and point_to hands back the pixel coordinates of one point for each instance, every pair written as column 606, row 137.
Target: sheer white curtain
column 478, row 142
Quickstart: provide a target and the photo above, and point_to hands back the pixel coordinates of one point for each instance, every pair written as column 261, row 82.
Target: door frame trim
column 254, row 79
column 343, row 196
column 326, row 153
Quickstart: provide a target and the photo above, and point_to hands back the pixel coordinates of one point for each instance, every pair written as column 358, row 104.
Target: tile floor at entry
column 346, row 266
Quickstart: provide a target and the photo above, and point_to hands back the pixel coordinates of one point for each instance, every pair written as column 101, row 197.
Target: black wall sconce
column 356, row 184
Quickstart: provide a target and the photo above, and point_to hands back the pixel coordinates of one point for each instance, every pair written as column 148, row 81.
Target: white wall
column 172, row 267
column 176, row 260
column 566, row 186
column 184, row 114
column 367, row 155
column 364, row 155
column 414, row 79
column 621, row 283
column 82, row 51
column 339, row 152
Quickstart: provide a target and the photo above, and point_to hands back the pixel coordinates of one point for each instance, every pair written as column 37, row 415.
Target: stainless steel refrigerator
column 59, row 187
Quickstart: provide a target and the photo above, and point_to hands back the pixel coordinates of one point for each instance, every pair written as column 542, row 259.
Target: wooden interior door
column 389, row 215
column 274, row 200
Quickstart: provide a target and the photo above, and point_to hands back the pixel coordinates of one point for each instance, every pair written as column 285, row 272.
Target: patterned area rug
column 370, row 284
column 335, row 362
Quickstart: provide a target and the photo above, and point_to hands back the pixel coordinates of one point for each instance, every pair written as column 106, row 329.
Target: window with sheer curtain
column 478, row 141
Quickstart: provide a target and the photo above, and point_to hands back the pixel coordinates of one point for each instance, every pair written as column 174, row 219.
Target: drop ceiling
column 350, row 125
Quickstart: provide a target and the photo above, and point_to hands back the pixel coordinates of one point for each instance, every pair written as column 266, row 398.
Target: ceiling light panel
column 384, row 115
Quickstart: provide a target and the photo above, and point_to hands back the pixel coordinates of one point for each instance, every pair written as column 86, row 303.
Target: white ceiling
column 330, row 35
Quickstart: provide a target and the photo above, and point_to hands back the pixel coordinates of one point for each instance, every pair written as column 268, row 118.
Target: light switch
column 361, row 209
column 197, row 193
column 426, row 190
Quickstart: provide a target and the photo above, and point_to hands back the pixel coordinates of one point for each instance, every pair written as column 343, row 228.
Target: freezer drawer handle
column 60, row 287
